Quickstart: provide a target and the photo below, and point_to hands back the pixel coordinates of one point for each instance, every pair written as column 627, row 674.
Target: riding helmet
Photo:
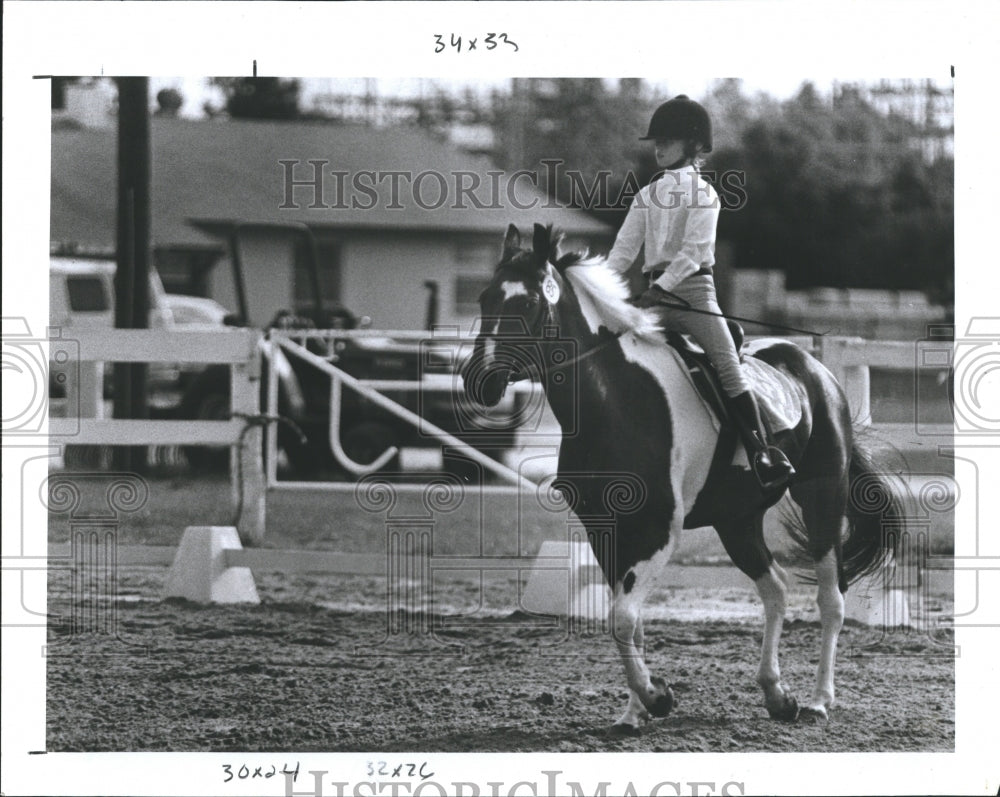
column 681, row 118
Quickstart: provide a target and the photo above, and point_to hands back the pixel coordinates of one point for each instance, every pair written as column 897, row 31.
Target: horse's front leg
column 649, row 695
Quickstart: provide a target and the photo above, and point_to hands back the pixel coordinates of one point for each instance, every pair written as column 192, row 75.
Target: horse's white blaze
column 512, row 288
column 491, row 329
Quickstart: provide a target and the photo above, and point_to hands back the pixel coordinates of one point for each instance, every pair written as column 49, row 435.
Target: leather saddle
column 703, row 374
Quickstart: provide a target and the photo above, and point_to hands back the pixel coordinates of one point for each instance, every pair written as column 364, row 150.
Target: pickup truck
column 82, row 297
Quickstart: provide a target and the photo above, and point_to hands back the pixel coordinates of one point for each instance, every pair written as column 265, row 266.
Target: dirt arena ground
column 316, row 667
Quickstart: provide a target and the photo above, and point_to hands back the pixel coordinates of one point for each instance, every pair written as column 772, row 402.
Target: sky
column 779, row 84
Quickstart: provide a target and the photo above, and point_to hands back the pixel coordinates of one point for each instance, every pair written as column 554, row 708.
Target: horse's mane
column 605, row 291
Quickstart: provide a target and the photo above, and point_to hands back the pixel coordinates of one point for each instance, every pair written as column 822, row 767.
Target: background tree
column 59, row 85
column 169, row 102
column 588, row 127
column 260, row 97
column 839, row 195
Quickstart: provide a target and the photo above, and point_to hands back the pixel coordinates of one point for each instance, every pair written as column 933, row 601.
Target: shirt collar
column 677, row 176
column 688, row 167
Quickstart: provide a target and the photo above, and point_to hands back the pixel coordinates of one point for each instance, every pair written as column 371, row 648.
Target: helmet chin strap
column 676, row 164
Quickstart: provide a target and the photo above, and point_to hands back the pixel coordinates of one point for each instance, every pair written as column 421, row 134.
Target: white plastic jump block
column 201, row 572
column 872, row 601
column 567, row 581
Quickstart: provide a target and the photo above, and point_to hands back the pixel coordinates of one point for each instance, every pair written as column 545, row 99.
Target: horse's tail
column 875, row 516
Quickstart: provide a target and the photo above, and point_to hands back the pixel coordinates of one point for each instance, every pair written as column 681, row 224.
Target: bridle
column 537, row 329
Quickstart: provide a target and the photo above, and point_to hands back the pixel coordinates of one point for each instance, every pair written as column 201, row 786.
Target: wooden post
column 85, row 389
column 134, row 224
column 246, row 461
column 271, row 408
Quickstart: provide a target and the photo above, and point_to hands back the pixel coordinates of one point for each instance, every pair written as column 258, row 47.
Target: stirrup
column 777, row 462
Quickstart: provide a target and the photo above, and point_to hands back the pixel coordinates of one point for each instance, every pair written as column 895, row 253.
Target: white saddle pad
column 779, row 398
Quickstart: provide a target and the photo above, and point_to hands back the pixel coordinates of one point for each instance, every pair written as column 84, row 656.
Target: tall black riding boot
column 769, row 463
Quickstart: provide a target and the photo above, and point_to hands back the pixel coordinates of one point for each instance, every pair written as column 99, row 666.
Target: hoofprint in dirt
column 294, row 675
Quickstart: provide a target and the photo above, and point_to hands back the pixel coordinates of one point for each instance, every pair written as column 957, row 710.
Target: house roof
column 212, row 172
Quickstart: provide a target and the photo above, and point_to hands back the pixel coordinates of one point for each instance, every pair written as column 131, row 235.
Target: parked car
column 82, row 296
column 196, row 311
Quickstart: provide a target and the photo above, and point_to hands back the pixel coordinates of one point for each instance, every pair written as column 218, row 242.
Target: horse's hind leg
column 823, row 502
column 744, row 542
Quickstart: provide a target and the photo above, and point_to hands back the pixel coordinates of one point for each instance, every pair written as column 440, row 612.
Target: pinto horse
column 627, row 406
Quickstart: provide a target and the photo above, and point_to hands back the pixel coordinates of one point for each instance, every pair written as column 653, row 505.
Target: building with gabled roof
column 391, row 210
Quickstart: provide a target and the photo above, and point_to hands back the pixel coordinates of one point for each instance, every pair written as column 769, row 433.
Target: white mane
column 603, row 297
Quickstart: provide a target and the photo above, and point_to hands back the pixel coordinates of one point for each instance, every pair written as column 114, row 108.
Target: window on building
column 467, row 290
column 186, row 270
column 475, row 263
column 87, row 295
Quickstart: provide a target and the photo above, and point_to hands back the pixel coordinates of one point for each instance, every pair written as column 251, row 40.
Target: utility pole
column 133, row 253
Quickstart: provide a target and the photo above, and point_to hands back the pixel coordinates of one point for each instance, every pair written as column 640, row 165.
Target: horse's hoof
column 787, row 710
column 663, row 704
column 624, row 729
column 814, row 714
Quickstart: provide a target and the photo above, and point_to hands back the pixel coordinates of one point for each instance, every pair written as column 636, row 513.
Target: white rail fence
column 87, row 351
column 371, row 390
column 848, row 358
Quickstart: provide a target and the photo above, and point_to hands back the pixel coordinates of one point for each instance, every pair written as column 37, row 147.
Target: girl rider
column 674, row 218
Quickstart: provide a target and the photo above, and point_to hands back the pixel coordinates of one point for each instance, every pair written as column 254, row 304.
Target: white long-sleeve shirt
column 675, row 219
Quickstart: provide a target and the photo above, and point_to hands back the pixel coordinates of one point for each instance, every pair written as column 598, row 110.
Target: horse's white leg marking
column 635, row 712
column 625, row 626
column 773, row 592
column 629, row 636
column 831, row 614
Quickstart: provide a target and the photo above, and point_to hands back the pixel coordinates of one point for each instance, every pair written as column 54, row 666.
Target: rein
column 684, row 305
column 614, row 337
column 546, row 316
column 680, row 304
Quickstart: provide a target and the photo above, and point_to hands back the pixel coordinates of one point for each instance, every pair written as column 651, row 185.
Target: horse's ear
column 555, row 247
column 542, row 242
column 512, row 240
